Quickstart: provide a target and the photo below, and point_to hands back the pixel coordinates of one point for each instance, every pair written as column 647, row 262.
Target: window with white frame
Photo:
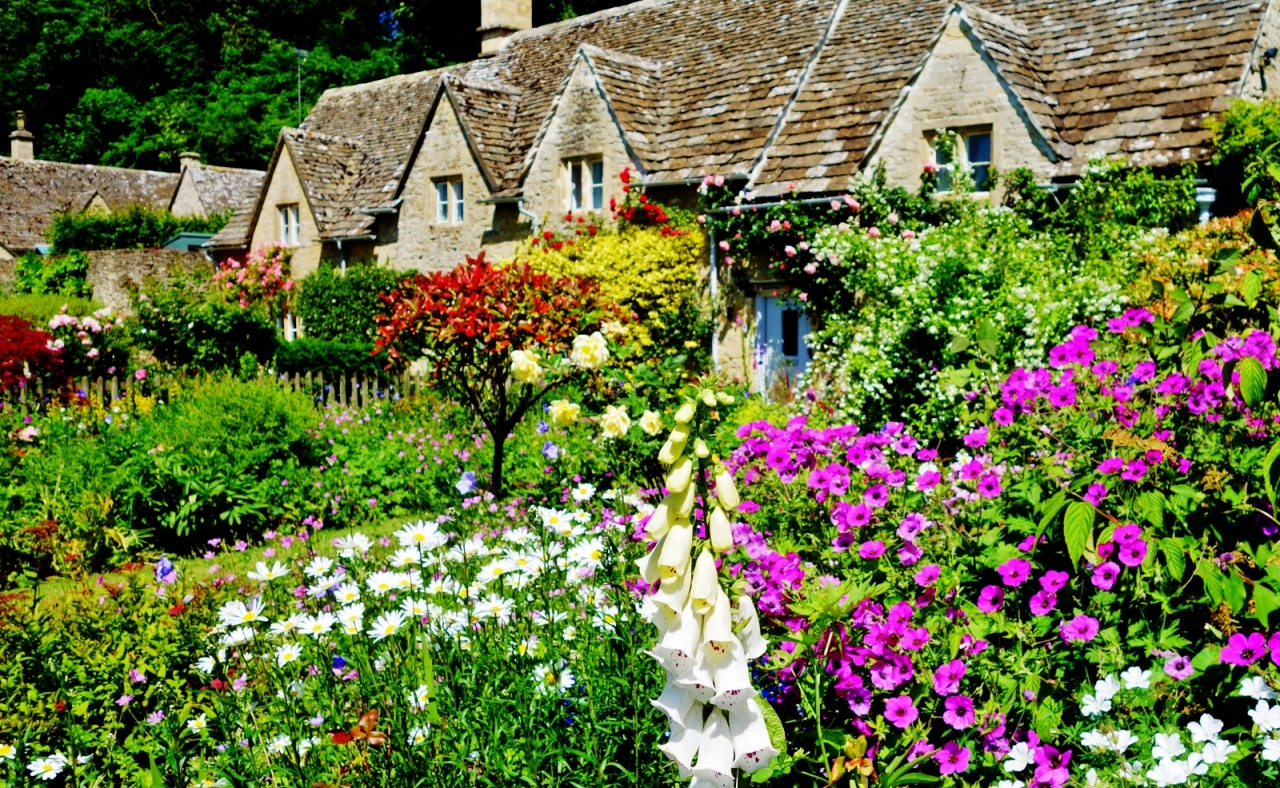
column 972, row 150
column 290, row 234
column 450, row 200
column 585, row 184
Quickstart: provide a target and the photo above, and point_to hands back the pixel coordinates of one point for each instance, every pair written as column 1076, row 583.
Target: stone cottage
column 420, row 169
column 33, row 191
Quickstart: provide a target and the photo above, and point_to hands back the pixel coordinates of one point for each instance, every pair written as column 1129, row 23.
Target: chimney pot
column 188, row 159
column 22, row 143
column 499, row 19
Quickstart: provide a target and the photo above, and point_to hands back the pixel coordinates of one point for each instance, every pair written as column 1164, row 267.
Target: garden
column 1015, row 526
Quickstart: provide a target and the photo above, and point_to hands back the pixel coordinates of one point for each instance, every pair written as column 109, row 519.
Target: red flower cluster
column 26, row 355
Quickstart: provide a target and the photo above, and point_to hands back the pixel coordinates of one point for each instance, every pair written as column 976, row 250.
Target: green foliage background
column 137, row 227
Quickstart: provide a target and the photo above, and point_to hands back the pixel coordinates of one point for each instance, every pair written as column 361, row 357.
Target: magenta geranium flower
column 959, row 712
column 914, row 639
column 870, row 550
column 877, row 495
column 1132, row 553
column 1111, row 465
column 1002, row 416
column 1127, row 533
column 1274, row 645
column 989, row 486
column 1054, row 581
column 952, row 758
column 1134, row 471
column 1095, row 493
column 1014, row 572
column 946, row 679
column 1178, row 668
column 909, row 553
column 1080, row 629
column 1105, row 575
column 900, row 711
column 976, row 438
column 927, row 480
column 928, row 575
column 1244, row 650
column 1042, row 603
column 990, row 599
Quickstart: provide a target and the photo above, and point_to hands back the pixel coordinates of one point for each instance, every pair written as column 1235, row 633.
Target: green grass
column 39, row 308
column 53, row 592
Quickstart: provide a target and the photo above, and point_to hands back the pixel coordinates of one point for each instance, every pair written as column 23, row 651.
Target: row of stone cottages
column 421, row 169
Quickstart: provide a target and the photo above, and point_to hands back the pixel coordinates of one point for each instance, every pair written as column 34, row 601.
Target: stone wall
column 1263, row 80
column 958, row 89
column 286, row 189
column 111, row 270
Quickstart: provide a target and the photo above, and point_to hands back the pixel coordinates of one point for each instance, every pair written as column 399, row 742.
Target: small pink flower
column 811, row 269
column 790, row 251
column 893, row 217
column 873, row 231
column 140, row 374
column 908, row 234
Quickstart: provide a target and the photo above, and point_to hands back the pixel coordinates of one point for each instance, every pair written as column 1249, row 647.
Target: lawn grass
column 51, row 593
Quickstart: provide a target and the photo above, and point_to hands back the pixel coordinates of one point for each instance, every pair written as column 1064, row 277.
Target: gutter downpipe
column 537, row 223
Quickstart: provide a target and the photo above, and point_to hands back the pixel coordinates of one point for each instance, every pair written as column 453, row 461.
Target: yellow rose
column 651, row 422
column 524, row 367
column 590, row 351
column 563, row 412
column 615, row 422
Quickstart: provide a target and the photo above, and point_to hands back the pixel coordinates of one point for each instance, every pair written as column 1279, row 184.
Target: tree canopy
column 132, row 83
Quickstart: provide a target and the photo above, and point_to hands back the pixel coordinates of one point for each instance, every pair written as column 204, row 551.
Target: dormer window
column 585, row 184
column 449, row 201
column 290, row 234
column 969, row 149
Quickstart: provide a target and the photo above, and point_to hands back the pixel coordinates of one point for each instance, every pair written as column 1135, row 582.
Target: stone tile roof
column 222, row 188
column 799, row 90
column 33, row 191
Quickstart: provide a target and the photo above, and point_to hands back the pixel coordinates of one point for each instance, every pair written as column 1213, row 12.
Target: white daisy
column 387, row 624
column 287, row 653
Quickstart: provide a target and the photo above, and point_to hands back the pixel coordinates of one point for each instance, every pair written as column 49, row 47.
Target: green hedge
column 136, row 227
column 332, row 358
column 37, row 309
column 340, row 307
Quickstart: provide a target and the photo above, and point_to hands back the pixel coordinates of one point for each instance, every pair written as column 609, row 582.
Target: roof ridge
column 50, row 162
column 586, row 19
column 592, row 51
column 395, row 78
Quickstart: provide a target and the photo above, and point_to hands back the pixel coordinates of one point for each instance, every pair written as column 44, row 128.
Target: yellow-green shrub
column 644, row 270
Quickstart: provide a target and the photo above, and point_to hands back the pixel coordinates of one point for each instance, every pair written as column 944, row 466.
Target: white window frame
column 584, row 184
column 290, row 225
column 450, row 200
column 960, row 155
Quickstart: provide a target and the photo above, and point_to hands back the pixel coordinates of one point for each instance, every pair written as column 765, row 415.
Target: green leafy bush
column 305, row 355
column 190, row 322
column 1246, row 133
column 340, row 307
column 136, row 227
column 39, row 308
column 60, row 274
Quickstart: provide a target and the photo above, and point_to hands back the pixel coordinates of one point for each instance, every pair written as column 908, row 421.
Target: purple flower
column 1244, row 650
column 466, row 483
column 137, row 677
column 877, row 495
column 1178, row 668
column 870, row 550
column 1002, row 416
column 1054, row 581
column 1111, row 465
column 155, row 717
column 1042, row 603
column 1014, row 572
column 165, row 571
column 542, row 428
column 1080, row 629
column 1133, row 553
column 959, row 713
column 550, row 450
column 927, row 480
column 952, row 758
column 1134, row 471
column 911, row 526
column 976, row 438
column 946, row 679
column 909, row 553
column 928, row 575
column 124, row 700
column 900, row 711
column 1095, row 493
column 1105, row 575
column 990, row 599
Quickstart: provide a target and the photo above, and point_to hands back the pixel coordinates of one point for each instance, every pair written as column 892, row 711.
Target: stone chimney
column 499, row 19
column 188, row 159
column 22, row 143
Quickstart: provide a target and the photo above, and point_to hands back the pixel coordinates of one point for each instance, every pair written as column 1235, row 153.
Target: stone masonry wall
column 285, row 189
column 958, row 90
column 111, row 270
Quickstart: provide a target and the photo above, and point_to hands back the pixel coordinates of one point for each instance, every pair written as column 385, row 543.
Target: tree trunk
column 495, row 477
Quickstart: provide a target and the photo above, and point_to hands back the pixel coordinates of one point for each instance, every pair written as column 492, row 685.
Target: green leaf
column 777, row 734
column 1215, row 582
column 1251, row 287
column 1185, row 310
column 1174, row 557
column 1151, row 504
column 1051, row 509
column 1192, row 355
column 1265, row 602
column 1207, row 658
column 1078, row 529
column 1253, row 380
column 1236, row 592
column 1267, row 480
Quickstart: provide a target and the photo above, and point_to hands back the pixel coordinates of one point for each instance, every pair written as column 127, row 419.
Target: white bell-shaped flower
column 648, row 566
column 717, row 628
column 751, row 744
column 732, row 679
column 715, row 753
column 676, row 704
column 727, row 489
column 676, row 551
column 685, row 740
column 659, row 521
column 699, row 682
column 680, row 476
column 753, row 643
column 677, row 648
column 719, row 530
column 706, row 582
column 673, row 593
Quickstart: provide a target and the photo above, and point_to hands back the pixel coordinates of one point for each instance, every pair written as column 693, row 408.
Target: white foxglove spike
column 719, row 530
column 680, row 476
column 717, row 628
column 676, row 650
column 727, row 489
column 753, row 643
column 669, row 453
column 673, row 593
column 685, row 414
column 681, row 503
column 659, row 522
column 648, row 565
column 684, row 742
column 676, row 704
column 715, row 752
column 751, row 745
column 674, row 560
column 732, row 679
column 706, row 582
column 679, row 436
column 699, row 682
